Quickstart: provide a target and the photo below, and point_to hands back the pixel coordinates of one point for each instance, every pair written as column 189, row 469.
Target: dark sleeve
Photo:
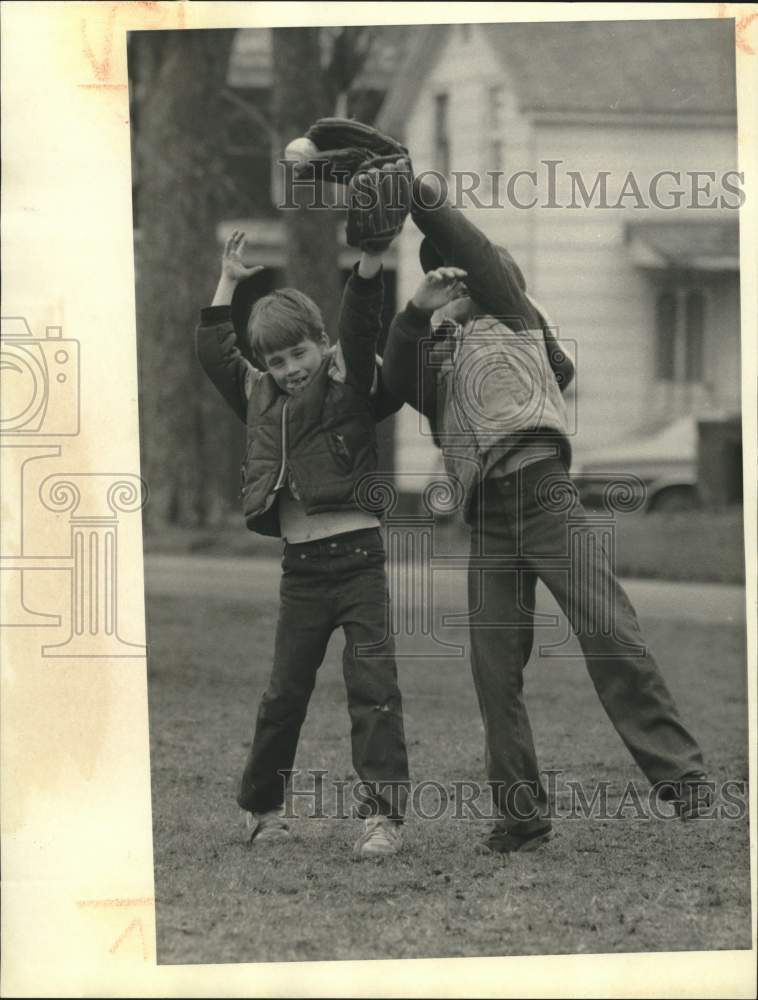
column 383, row 402
column 404, row 370
column 220, row 358
column 360, row 323
column 560, row 362
column 494, row 280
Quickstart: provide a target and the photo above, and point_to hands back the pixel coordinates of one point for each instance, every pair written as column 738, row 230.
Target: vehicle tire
column 675, row 499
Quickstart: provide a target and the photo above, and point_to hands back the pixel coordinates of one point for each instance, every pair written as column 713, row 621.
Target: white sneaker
column 380, row 837
column 268, row 826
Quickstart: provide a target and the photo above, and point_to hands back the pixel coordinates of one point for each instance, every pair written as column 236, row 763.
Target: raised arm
column 495, row 281
column 360, row 321
column 403, row 370
column 215, row 341
column 407, row 372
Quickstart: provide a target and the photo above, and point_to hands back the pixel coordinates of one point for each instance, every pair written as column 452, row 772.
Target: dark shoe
column 692, row 796
column 695, row 797
column 267, row 827
column 500, row 841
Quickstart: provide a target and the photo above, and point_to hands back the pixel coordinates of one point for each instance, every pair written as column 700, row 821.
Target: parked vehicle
column 664, row 465
column 660, row 472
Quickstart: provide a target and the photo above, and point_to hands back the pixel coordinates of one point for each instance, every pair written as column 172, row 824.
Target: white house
column 640, row 275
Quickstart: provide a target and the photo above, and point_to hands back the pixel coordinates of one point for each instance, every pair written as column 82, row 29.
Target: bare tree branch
column 253, row 112
column 350, row 50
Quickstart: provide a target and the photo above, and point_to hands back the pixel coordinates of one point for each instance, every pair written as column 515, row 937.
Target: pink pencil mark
column 158, row 8
column 101, row 62
column 741, row 28
column 119, row 940
column 118, row 901
column 100, row 67
column 741, row 25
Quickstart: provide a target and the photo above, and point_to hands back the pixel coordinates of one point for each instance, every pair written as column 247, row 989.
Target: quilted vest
column 324, row 438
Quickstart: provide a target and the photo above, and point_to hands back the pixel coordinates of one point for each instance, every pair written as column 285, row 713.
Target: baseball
column 300, row 149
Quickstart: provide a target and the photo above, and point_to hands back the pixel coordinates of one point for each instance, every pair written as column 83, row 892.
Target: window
column 666, row 336
column 680, row 334
column 441, row 134
column 693, row 324
column 496, row 125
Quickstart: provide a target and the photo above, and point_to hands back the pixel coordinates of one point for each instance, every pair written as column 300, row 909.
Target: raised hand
column 440, row 287
column 232, row 267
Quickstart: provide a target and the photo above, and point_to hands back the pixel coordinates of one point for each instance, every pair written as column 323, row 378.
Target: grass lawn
column 600, row 886
column 696, row 545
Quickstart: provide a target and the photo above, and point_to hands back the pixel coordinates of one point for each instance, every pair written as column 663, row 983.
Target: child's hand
column 232, row 270
column 439, row 287
column 232, row 267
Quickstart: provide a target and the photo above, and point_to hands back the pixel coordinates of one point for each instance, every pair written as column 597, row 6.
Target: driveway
column 178, row 575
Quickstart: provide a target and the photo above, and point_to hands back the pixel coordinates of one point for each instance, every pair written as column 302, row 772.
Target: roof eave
column 421, row 55
column 620, row 119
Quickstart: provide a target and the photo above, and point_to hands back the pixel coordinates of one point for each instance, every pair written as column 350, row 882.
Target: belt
column 335, row 545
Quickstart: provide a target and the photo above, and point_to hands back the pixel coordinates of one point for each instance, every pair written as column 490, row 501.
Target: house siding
column 465, row 69
column 576, row 260
column 604, row 302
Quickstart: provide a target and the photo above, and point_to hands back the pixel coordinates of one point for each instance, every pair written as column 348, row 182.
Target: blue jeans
column 524, row 533
column 328, row 583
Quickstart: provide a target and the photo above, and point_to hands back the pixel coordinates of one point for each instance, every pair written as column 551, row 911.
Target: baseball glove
column 344, row 145
column 377, row 172
column 378, row 203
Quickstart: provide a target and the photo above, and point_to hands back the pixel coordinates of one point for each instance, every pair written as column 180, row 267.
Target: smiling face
column 293, row 368
column 287, row 335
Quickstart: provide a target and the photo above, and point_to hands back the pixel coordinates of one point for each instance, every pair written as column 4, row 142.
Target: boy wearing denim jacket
column 311, row 437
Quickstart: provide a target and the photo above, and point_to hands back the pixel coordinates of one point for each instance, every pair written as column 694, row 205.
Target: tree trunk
column 180, row 142
column 300, row 97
